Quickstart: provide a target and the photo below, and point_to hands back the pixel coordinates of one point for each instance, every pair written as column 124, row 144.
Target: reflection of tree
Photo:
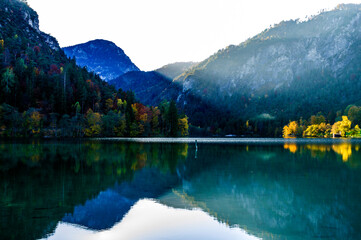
column 290, row 146
column 319, row 150
column 277, row 196
column 40, row 182
column 343, row 149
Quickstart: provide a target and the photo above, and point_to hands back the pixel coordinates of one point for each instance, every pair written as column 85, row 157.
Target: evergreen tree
column 173, row 119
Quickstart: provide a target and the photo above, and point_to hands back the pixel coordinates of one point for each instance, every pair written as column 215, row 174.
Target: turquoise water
column 163, row 189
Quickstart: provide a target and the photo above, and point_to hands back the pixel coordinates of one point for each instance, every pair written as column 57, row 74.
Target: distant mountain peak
column 102, row 57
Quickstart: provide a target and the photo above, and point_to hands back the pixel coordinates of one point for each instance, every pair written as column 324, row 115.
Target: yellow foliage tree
column 34, row 122
column 183, row 126
column 318, row 130
column 341, row 127
column 94, row 124
column 109, row 104
column 121, row 104
column 291, row 129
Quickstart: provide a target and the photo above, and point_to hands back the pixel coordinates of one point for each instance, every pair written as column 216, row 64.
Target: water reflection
column 41, row 182
column 291, row 195
column 291, row 146
column 344, row 150
column 318, row 150
column 149, row 220
column 94, row 189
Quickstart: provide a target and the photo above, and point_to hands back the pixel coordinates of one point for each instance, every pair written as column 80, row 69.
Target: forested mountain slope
column 294, row 69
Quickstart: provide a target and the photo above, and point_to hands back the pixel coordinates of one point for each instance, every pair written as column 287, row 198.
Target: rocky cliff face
column 102, row 57
column 18, row 20
column 314, row 64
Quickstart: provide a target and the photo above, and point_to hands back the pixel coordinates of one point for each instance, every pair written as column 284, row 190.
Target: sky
column 154, row 33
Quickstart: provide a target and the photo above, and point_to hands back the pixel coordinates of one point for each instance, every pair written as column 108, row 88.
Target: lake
column 173, row 189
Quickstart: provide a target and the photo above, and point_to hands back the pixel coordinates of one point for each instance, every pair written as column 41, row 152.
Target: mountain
column 38, row 80
column 19, row 25
column 102, row 57
column 147, row 86
column 154, row 86
column 173, row 70
column 292, row 70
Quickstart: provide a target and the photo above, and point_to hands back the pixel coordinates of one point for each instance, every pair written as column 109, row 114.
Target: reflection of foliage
column 319, row 150
column 344, row 150
column 265, row 195
column 290, row 146
column 40, row 182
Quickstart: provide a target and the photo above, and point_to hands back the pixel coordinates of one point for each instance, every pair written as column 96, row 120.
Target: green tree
column 173, row 119
column 354, row 114
column 8, row 80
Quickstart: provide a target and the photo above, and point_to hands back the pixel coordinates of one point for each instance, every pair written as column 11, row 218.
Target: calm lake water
column 221, row 189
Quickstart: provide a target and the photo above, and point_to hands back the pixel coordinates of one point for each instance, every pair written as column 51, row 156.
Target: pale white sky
column 157, row 32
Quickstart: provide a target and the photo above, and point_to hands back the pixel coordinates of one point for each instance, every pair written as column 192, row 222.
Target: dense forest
column 44, row 93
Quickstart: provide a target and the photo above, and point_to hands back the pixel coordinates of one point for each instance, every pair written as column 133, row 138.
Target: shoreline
column 190, row 140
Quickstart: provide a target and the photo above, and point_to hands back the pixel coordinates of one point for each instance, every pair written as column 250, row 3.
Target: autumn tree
column 94, row 123
column 109, row 104
column 183, row 126
column 292, row 129
column 341, row 127
column 318, row 130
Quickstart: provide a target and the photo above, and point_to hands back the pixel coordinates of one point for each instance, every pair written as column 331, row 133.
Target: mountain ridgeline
column 36, row 74
column 294, row 69
column 173, row 70
column 102, row 57
column 46, row 94
column 154, row 86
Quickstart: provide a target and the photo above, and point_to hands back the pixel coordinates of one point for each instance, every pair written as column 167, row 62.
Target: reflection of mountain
column 149, row 220
column 265, row 189
column 110, row 206
column 41, row 182
column 293, row 196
